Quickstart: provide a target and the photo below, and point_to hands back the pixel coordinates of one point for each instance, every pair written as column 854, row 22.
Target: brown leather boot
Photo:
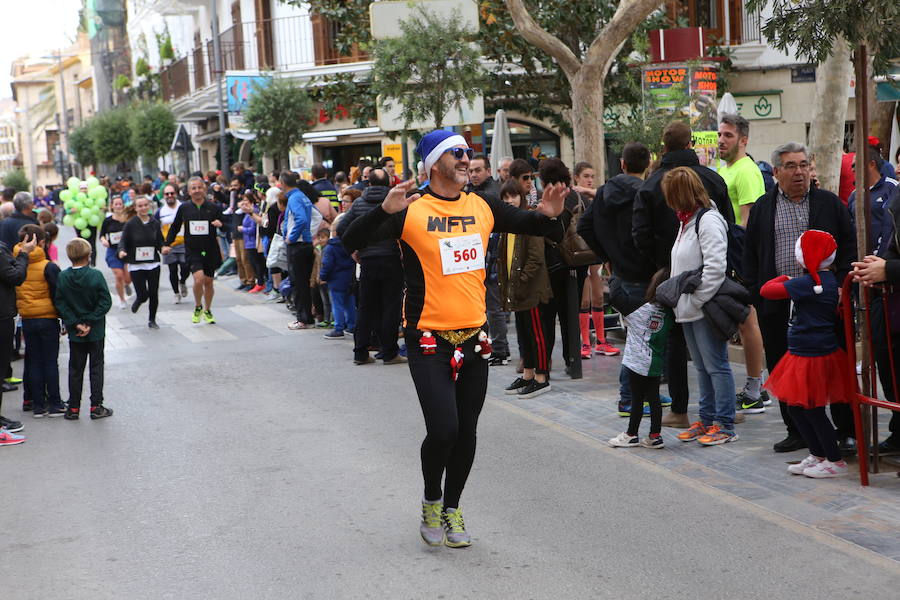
column 676, row 420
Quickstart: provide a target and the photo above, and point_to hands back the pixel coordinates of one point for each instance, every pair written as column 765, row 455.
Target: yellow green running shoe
column 431, row 529
column 207, row 315
column 455, row 529
column 195, row 318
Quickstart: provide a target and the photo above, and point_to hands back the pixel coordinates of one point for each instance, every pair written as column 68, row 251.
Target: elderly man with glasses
column 776, row 220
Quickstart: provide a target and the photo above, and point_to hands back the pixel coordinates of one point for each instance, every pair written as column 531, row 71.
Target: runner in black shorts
column 200, row 219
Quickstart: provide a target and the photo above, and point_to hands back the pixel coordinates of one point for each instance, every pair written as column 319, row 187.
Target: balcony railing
column 751, row 26
column 286, row 43
column 174, row 80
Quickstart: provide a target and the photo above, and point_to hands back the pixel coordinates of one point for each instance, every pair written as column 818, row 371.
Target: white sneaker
column 177, row 299
column 623, row 440
column 826, row 469
column 123, row 304
column 804, row 464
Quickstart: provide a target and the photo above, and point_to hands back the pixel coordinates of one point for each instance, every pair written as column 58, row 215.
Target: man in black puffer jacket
column 606, row 228
column 380, row 281
column 12, row 273
column 654, row 228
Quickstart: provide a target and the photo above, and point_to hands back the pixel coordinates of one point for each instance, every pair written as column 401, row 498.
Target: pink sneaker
column 10, row 439
column 606, row 349
column 826, row 469
column 585, row 351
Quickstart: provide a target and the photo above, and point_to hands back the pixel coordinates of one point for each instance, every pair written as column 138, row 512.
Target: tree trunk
column 826, row 132
column 881, row 120
column 587, row 122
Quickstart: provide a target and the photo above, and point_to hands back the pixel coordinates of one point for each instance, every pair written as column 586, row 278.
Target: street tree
column 111, row 137
column 818, row 29
column 152, row 129
column 428, row 69
column 278, row 114
column 81, row 143
column 17, row 180
column 586, row 67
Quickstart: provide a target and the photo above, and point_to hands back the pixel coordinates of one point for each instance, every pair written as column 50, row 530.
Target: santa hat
column 434, row 144
column 815, row 251
column 873, row 141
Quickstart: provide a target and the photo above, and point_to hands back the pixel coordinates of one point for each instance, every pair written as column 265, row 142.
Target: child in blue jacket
column 337, row 271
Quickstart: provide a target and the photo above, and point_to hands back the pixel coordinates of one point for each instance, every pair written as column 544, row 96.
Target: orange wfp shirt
column 442, row 243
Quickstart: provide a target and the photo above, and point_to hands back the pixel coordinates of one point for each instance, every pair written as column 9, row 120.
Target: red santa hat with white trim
column 815, row 251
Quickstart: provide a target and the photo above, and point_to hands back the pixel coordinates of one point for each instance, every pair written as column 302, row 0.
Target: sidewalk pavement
column 747, row 469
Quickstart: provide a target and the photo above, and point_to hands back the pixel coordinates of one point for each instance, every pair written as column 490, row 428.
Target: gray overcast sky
column 34, row 27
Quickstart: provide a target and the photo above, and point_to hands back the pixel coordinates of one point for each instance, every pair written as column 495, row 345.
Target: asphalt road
column 247, row 461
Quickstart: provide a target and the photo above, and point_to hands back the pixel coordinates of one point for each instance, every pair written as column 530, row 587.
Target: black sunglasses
column 459, row 152
column 168, row 193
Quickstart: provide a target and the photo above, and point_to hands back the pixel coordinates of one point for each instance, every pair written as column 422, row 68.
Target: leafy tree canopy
column 278, row 114
column 111, row 136
column 152, row 129
column 811, row 26
column 81, row 144
column 431, row 66
column 17, row 180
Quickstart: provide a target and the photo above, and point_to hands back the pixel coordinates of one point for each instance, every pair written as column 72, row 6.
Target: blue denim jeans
column 710, row 356
column 343, row 308
column 42, row 353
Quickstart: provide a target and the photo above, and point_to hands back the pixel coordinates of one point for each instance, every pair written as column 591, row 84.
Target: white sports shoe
column 177, row 299
column 804, row 464
column 623, row 440
column 826, row 469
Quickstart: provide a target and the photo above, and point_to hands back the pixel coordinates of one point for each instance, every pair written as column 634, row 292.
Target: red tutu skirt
column 812, row 381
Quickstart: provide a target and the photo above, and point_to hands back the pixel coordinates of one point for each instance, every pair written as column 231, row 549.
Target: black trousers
column 7, row 333
column 561, row 303
column 380, row 306
column 817, row 431
column 451, row 410
column 644, row 389
column 79, row 353
column 178, row 274
column 300, row 257
column 773, row 326
column 258, row 264
column 146, row 287
column 535, row 330
column 880, row 337
column 676, row 369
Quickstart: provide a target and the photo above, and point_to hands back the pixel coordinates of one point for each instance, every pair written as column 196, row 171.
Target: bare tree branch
column 538, row 36
column 606, row 45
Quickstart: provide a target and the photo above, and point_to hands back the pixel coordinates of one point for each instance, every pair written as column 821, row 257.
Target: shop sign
column 759, row 106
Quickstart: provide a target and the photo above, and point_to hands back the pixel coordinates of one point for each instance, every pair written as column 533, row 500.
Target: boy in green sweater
column 82, row 300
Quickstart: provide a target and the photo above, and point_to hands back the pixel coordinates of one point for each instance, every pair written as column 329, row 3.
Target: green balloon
column 65, row 195
column 80, row 223
column 94, row 220
column 69, row 205
column 88, row 202
column 81, row 196
column 68, row 220
column 85, row 233
column 73, row 182
column 92, row 182
column 97, row 193
column 101, row 204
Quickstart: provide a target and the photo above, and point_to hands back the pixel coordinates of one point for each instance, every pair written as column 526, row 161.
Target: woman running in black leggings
column 139, row 248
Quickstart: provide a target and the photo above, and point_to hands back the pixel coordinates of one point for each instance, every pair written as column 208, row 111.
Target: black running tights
column 817, row 431
column 146, row 286
column 644, row 389
column 175, row 278
column 451, row 410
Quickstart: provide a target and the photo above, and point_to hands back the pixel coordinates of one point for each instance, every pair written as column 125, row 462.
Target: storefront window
column 528, row 141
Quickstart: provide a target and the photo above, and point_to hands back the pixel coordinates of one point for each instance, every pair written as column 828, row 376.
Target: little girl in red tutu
column 813, row 373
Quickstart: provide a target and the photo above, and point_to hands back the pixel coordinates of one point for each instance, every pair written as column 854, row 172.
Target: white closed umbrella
column 501, row 146
column 727, row 105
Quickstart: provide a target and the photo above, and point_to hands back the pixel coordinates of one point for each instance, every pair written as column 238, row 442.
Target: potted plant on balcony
column 166, row 50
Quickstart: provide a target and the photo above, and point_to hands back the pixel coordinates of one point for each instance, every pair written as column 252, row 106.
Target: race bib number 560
column 461, row 254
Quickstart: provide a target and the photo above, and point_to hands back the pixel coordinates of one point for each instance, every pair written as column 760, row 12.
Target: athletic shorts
column 207, row 261
column 112, row 259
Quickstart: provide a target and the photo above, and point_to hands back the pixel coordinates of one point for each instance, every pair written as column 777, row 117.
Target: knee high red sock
column 598, row 325
column 584, row 319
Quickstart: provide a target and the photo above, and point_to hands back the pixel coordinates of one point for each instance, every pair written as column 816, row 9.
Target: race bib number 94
column 461, row 254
